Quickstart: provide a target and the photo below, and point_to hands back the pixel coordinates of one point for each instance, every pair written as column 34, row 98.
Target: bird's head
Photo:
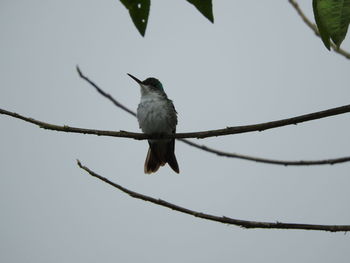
column 149, row 85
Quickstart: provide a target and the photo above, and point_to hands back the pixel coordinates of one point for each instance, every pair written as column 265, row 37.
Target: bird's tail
column 160, row 153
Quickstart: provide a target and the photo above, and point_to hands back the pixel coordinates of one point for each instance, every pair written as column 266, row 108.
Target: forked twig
column 313, row 27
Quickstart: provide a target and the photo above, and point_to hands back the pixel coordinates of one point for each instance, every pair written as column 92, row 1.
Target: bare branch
column 269, row 161
column 65, row 128
column 199, row 135
column 222, row 219
column 313, row 27
column 266, row 125
column 141, row 136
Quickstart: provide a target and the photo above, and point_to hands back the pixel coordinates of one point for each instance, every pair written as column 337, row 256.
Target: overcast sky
column 258, row 62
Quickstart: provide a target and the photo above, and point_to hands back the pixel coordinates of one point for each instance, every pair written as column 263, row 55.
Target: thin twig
column 106, row 95
column 222, row 219
column 313, row 27
column 269, row 161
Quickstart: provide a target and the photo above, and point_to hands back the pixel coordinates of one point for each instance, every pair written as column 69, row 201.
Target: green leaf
column 332, row 19
column 343, row 22
column 320, row 25
column 139, row 11
column 205, row 7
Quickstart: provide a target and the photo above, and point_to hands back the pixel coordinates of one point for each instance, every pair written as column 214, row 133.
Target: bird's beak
column 136, row 79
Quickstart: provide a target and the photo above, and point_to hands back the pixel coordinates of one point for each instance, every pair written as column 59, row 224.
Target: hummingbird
column 156, row 115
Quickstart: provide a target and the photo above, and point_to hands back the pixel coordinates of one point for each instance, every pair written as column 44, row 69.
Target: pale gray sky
column 257, row 63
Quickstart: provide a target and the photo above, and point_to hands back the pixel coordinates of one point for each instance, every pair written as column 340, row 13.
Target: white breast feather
column 152, row 115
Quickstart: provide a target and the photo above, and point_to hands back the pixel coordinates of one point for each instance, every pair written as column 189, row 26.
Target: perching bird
column 156, row 115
